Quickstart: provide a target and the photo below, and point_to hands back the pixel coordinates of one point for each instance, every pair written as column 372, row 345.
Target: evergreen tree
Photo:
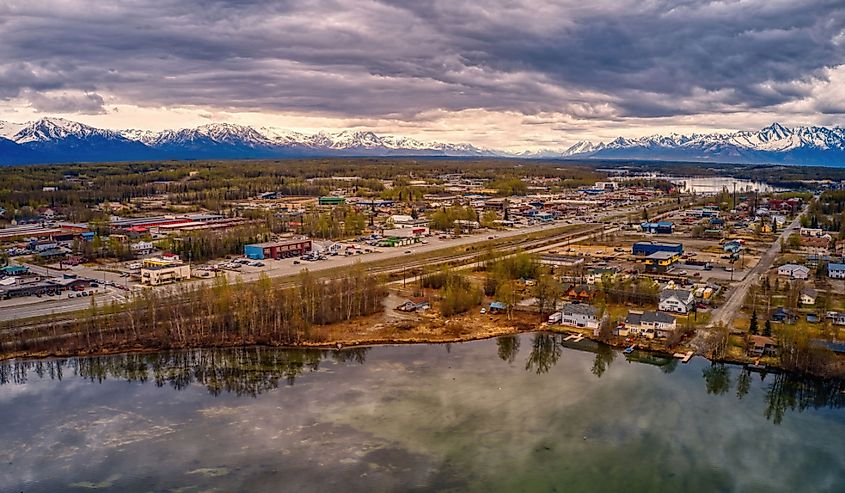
column 752, row 329
column 767, row 328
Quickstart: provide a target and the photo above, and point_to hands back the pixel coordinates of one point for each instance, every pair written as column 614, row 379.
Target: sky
column 504, row 74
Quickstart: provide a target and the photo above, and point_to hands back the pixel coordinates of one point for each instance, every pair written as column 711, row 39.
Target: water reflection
column 256, row 370
column 241, row 371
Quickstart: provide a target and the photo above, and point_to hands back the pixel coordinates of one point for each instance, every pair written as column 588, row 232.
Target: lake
column 518, row 413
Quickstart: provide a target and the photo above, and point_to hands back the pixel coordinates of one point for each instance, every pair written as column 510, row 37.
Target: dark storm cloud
column 396, row 59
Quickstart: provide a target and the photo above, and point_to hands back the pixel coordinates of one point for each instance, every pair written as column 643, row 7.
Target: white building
column 794, row 271
column 836, row 271
column 579, row 315
column 648, row 325
column 676, row 301
column 155, row 275
column 142, row 248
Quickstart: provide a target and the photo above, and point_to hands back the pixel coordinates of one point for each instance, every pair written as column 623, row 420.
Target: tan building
column 156, row 275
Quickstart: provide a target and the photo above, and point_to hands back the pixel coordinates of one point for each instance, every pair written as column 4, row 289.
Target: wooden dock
column 574, row 338
column 684, row 357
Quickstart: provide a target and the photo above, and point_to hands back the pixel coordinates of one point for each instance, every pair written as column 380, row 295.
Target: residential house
column 676, row 301
column 761, row 346
column 794, row 271
column 594, row 275
column 836, row 271
column 649, row 324
column 838, row 318
column 414, row 305
column 579, row 292
column 784, row 315
column 579, row 315
column 808, row 296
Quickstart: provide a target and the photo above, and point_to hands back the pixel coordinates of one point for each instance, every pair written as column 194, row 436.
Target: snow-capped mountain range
column 53, row 140
column 772, row 144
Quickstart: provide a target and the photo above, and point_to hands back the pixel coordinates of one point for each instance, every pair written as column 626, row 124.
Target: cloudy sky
column 507, row 74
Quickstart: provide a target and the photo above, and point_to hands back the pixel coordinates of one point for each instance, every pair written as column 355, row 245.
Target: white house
column 812, row 232
column 648, row 325
column 676, row 301
column 794, row 271
column 836, row 271
column 142, row 248
column 579, row 315
column 808, row 296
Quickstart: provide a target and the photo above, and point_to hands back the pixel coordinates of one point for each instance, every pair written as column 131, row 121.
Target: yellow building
column 155, row 275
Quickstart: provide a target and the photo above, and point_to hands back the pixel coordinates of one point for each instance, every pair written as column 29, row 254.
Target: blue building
column 646, row 248
column 661, row 228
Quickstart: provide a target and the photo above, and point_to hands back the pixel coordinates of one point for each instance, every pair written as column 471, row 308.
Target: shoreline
column 435, row 339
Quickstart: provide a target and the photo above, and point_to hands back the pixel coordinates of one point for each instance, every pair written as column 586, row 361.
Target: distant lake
column 518, row 413
column 706, row 185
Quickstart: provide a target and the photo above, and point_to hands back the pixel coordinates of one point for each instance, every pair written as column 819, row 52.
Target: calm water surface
column 513, row 414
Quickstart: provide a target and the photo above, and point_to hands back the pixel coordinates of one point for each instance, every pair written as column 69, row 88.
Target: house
column 733, row 246
column 676, row 301
column 794, row 271
column 142, row 248
column 579, row 292
column 808, row 296
column 579, row 315
column 838, row 318
column 784, row 315
column 497, row 307
column 414, row 305
column 812, row 232
column 836, row 271
column 761, row 346
column 649, row 324
column 595, row 275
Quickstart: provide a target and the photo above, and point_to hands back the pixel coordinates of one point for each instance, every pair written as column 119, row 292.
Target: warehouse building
column 278, row 249
column 646, row 248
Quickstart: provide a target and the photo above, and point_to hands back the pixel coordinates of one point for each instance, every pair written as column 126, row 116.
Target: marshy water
column 520, row 413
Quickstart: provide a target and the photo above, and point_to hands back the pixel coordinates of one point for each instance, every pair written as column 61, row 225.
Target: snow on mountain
column 773, row 144
column 54, row 129
column 9, row 129
column 60, row 140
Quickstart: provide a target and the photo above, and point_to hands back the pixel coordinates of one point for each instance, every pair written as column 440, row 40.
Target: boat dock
column 574, row 338
column 684, row 357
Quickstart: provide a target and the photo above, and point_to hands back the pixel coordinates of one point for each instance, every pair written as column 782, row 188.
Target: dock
column 684, row 357
column 574, row 338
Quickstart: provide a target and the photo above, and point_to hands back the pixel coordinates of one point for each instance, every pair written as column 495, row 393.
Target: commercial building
column 331, row 200
column 155, row 275
column 645, row 248
column 660, row 228
column 660, row 261
column 278, row 249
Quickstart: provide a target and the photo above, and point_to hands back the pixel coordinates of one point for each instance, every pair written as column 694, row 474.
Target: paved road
column 730, row 308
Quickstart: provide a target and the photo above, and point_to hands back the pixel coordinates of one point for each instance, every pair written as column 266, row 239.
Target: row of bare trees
column 267, row 311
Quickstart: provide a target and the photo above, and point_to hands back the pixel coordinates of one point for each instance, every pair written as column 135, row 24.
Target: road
column 33, row 307
column 731, row 307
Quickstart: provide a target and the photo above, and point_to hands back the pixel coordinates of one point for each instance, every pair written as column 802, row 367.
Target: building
column 278, row 249
column 142, row 248
column 405, row 221
column 794, row 271
column 595, row 275
column 557, row 260
column 808, row 296
column 761, row 346
column 646, row 248
column 579, row 315
column 331, row 200
column 156, row 275
column 812, row 232
column 14, row 270
column 660, row 261
column 836, row 271
column 648, row 324
column 732, row 246
column 676, row 301
column 579, row 292
column 660, row 228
